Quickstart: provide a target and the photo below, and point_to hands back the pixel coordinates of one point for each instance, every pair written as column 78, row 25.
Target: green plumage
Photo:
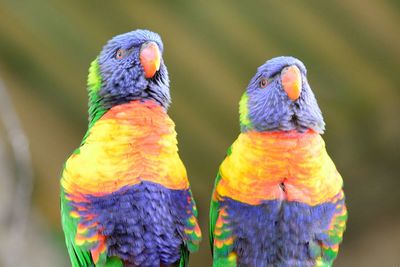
column 79, row 257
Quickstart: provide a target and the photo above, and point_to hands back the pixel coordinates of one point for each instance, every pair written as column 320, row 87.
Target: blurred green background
column 212, row 49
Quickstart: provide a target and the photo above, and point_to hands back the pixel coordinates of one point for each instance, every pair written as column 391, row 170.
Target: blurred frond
column 16, row 183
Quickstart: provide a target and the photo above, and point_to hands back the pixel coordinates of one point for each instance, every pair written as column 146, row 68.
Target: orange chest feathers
column 280, row 165
column 131, row 143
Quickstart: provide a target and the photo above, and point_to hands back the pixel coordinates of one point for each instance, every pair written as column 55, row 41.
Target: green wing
column 184, row 257
column 221, row 239
column 214, row 207
column 327, row 249
column 192, row 232
column 79, row 257
column 214, row 211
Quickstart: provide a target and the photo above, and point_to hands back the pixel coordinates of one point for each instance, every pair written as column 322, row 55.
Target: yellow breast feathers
column 131, row 143
column 279, row 165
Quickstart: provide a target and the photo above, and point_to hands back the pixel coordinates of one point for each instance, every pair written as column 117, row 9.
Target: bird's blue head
column 130, row 67
column 279, row 98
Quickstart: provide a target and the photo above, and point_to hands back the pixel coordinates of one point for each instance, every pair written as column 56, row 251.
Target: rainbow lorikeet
column 125, row 195
column 278, row 198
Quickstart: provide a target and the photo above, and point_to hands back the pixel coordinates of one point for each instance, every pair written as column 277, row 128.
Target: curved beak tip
column 150, row 58
column 291, row 82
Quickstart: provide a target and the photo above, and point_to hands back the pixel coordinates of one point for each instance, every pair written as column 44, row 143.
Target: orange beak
column 291, row 82
column 150, row 58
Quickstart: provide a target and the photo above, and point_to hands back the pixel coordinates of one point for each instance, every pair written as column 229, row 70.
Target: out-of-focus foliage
column 351, row 49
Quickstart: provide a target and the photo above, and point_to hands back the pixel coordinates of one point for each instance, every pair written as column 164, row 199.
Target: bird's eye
column 120, row 53
column 263, row 82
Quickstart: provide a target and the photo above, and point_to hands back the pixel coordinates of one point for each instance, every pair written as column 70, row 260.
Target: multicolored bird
column 278, row 198
column 125, row 195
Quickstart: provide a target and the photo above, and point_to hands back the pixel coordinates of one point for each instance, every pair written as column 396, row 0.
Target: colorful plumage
column 125, row 196
column 278, row 198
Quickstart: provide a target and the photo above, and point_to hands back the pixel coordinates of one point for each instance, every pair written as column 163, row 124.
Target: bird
column 278, row 198
column 125, row 194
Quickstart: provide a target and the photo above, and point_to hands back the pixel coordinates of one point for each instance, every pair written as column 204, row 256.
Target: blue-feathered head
column 279, row 98
column 129, row 67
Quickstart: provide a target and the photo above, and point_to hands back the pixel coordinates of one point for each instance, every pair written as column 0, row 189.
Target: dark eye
column 120, row 54
column 263, row 82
